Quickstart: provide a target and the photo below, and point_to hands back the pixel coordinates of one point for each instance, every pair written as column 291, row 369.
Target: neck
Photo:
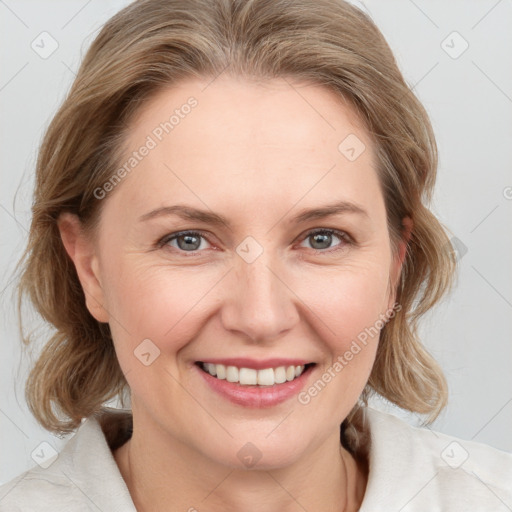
column 178, row 478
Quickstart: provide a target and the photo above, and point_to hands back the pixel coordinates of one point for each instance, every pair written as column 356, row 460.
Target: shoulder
column 38, row 492
column 415, row 469
column 84, row 476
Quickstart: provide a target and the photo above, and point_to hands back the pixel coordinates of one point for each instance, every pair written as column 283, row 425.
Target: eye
column 321, row 239
column 194, row 241
column 185, row 241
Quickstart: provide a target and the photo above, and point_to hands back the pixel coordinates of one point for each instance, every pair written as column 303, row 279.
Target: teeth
column 220, row 370
column 211, row 369
column 266, row 377
column 280, row 375
column 232, row 374
column 247, row 376
column 252, row 377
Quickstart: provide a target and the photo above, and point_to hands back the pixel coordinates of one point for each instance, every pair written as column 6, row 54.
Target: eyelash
column 347, row 239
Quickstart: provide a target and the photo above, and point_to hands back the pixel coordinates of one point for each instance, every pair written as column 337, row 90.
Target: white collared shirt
column 411, row 469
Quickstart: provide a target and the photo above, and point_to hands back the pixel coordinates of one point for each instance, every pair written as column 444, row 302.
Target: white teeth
column 247, row 376
column 280, row 375
column 232, row 374
column 220, row 369
column 251, row 377
column 266, row 377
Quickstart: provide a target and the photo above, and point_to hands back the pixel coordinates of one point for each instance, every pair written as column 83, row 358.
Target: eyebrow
column 209, row 217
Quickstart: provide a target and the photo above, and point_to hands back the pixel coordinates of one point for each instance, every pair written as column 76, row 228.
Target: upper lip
column 243, row 362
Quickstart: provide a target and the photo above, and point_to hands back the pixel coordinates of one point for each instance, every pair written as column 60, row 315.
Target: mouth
column 271, row 376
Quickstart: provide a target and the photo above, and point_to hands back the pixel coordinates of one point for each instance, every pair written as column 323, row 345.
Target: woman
column 230, row 226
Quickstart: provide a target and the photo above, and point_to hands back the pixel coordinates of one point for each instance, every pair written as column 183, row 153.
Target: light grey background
column 469, row 98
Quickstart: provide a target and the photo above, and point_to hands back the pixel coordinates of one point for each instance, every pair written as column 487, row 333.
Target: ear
column 82, row 252
column 398, row 261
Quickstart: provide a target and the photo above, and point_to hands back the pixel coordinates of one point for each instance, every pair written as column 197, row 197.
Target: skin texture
column 258, row 154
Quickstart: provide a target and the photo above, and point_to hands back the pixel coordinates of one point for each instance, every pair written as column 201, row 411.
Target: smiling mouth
column 253, row 377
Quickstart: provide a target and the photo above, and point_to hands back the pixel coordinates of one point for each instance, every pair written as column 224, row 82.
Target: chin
column 260, row 453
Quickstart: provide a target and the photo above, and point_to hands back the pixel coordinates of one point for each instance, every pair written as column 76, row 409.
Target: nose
column 259, row 303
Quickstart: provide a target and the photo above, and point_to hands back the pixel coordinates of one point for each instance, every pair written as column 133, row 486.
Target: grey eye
column 323, row 239
column 186, row 241
column 189, row 242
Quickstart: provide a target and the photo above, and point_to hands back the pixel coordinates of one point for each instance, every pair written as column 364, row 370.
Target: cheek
column 345, row 300
column 349, row 315
column 158, row 303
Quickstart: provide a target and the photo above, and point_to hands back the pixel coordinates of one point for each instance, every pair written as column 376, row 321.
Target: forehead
column 246, row 140
column 243, row 111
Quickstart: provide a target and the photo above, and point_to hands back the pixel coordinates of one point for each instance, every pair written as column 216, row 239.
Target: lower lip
column 256, row 396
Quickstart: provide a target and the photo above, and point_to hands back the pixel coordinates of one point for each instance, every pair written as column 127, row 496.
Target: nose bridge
column 260, row 304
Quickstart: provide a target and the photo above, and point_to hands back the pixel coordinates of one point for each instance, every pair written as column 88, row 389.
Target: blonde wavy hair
column 152, row 44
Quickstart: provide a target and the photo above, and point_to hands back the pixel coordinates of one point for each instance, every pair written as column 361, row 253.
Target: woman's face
column 217, row 247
